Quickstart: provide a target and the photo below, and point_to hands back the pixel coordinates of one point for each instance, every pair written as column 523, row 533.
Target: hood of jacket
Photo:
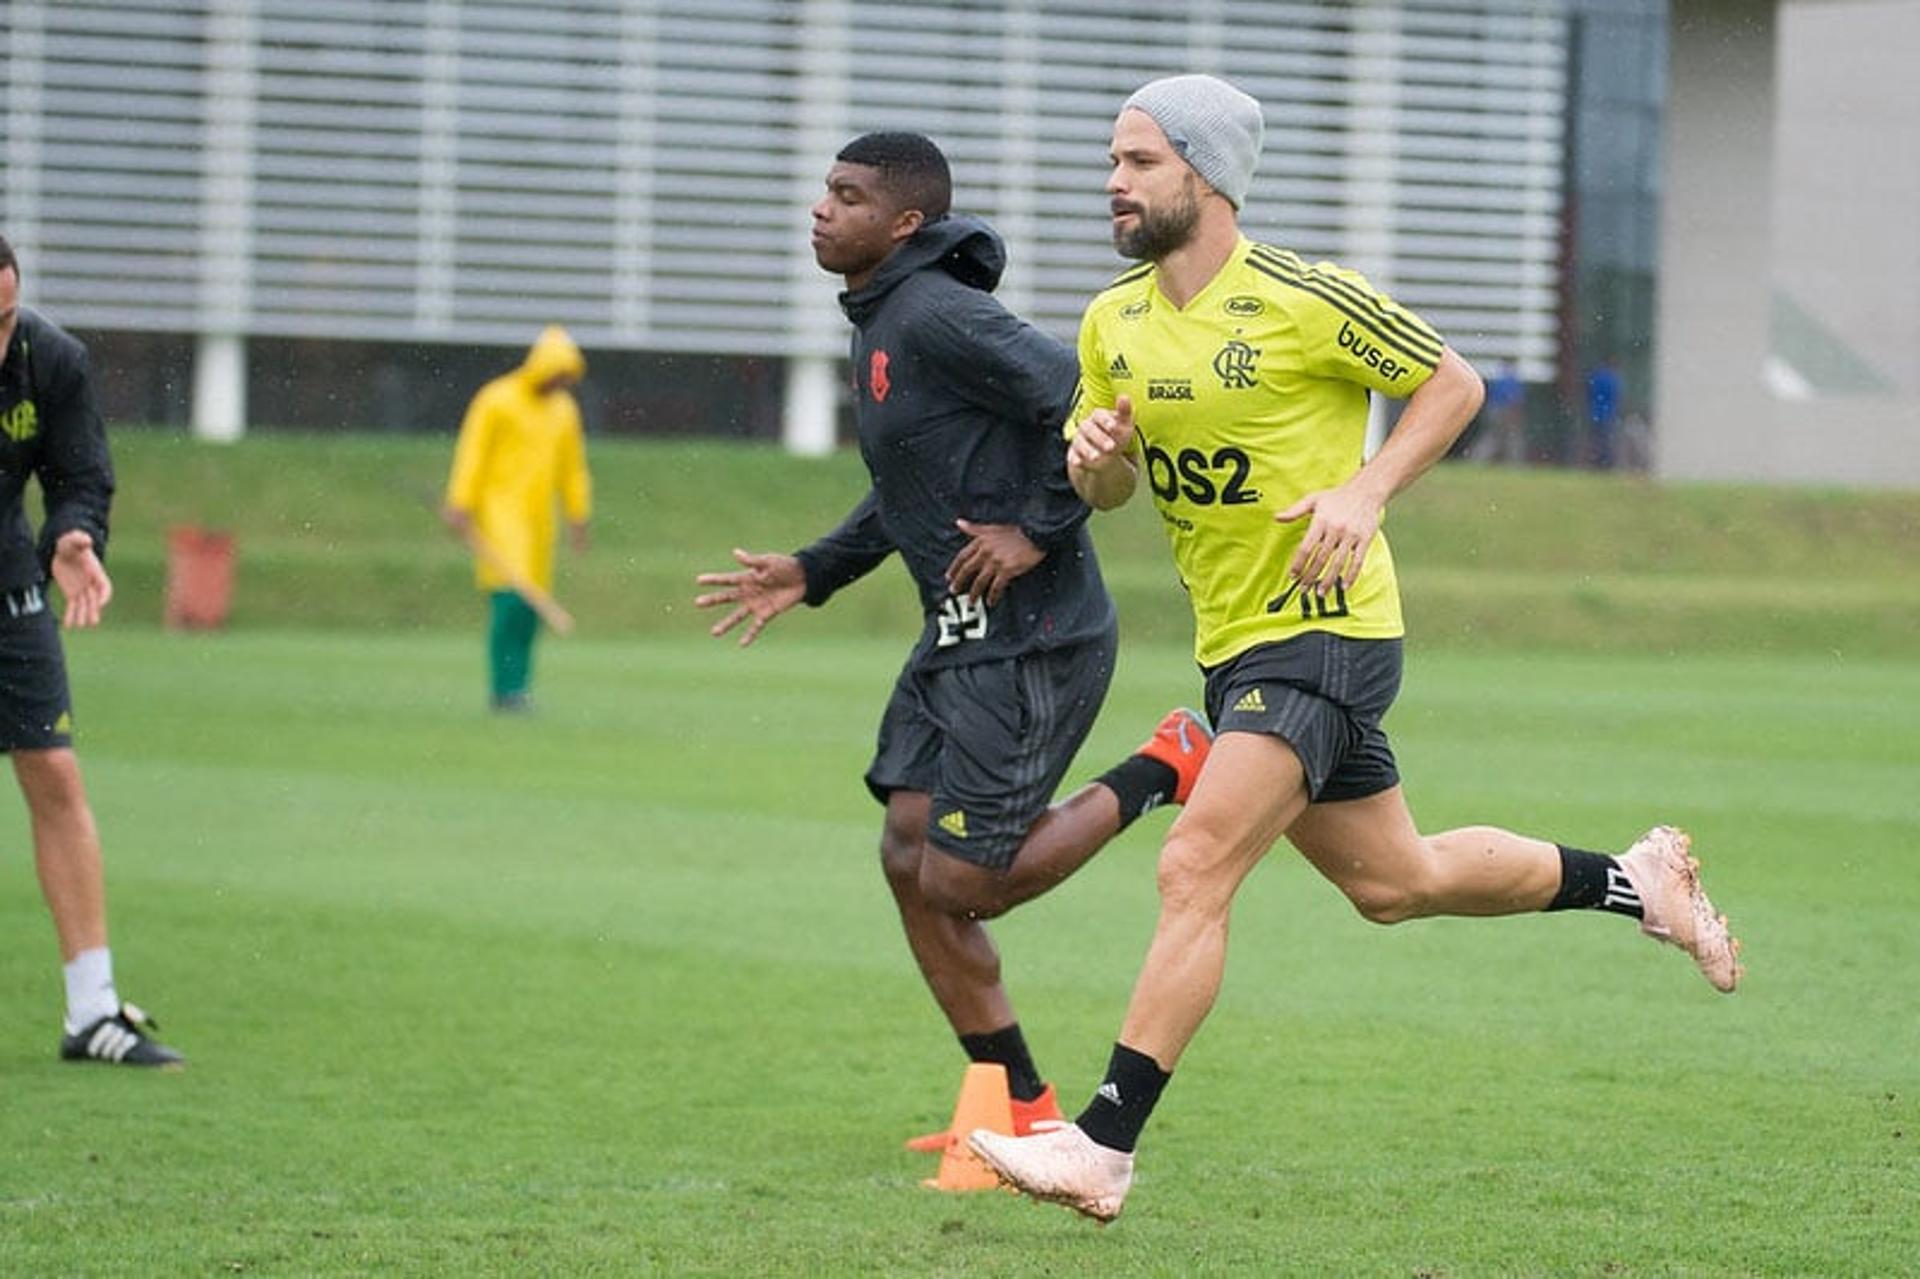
column 552, row 355
column 961, row 245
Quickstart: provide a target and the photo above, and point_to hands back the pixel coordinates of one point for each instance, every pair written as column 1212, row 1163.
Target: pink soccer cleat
column 1060, row 1165
column 1675, row 908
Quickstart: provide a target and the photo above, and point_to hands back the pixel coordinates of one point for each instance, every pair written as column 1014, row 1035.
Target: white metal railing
column 462, row 169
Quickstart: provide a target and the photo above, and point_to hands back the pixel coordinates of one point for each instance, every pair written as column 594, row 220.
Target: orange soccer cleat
column 1028, row 1117
column 1181, row 742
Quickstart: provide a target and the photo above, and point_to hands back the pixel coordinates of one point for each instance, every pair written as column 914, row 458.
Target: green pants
column 511, row 626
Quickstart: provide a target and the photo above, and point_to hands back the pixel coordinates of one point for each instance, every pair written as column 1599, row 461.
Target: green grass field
column 618, row 989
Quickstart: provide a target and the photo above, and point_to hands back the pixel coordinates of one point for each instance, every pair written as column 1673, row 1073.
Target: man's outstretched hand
column 764, row 587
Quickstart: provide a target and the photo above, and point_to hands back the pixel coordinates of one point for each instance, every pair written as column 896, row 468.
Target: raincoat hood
column 963, row 246
column 553, row 355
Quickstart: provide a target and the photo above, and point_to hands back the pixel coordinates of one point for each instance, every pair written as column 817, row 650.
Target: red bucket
column 199, row 578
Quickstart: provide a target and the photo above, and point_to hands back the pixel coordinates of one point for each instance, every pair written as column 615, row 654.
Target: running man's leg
column 955, row 954
column 1371, row 851
column 961, row 967
column 1252, row 790
column 1279, row 741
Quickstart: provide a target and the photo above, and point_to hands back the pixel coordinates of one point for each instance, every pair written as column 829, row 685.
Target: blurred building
column 1789, row 308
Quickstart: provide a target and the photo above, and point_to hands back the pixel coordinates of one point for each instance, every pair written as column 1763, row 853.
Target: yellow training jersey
column 1248, row 398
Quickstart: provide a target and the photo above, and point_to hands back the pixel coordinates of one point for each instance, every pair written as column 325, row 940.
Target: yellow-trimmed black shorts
column 989, row 742
column 1322, row 694
column 35, row 708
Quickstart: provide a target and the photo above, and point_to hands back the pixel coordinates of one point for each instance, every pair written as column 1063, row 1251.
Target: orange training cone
column 984, row 1103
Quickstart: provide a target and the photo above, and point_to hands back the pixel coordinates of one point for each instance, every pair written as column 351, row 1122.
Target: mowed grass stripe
column 618, row 989
column 337, row 531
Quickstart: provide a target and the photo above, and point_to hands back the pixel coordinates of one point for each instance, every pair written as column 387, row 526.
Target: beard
column 1156, row 233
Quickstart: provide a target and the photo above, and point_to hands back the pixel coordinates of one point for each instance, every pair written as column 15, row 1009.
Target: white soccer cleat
column 1061, row 1165
column 1675, row 908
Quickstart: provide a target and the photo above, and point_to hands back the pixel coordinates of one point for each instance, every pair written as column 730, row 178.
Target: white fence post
column 226, row 222
column 816, row 329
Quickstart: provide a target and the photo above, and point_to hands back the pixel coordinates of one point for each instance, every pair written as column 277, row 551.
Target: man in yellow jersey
column 1233, row 378
column 520, row 450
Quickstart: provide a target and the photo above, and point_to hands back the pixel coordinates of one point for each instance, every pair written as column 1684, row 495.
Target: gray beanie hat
column 1215, row 127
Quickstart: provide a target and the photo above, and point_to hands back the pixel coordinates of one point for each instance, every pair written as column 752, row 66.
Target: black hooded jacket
column 49, row 427
column 958, row 405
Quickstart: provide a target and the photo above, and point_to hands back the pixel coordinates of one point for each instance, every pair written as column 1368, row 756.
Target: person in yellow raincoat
column 520, row 450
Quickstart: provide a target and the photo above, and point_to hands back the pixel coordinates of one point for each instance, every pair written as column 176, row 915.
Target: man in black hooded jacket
column 50, row 429
column 959, row 407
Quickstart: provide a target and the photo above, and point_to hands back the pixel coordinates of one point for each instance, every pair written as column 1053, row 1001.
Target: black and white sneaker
column 124, row 1039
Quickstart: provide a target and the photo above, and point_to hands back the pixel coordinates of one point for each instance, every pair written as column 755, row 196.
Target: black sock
column 1142, row 785
column 1119, row 1110
column 1008, row 1047
column 1594, row 881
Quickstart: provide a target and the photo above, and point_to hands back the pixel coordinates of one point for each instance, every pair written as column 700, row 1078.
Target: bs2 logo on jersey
column 1219, row 478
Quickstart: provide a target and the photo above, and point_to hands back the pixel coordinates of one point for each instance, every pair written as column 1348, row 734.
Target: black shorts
column 1324, row 695
column 990, row 743
column 35, row 712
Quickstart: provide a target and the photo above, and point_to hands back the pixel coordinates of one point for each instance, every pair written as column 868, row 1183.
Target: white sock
column 90, row 992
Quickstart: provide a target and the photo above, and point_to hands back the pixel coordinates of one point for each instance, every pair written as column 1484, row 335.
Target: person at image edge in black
column 50, row 429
